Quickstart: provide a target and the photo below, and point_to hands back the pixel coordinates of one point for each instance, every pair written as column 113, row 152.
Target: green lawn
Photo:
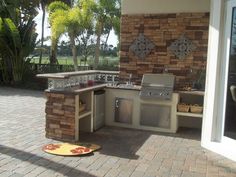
column 68, row 60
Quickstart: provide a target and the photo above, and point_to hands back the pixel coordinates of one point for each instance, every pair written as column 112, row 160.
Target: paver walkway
column 125, row 152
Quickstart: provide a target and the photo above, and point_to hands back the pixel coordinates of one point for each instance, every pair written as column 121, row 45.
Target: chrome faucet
column 165, row 70
column 130, row 78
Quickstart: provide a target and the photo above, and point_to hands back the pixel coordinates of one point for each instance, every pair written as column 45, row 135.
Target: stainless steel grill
column 157, row 86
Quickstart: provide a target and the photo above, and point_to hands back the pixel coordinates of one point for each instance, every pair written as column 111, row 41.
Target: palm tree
column 72, row 21
column 43, row 7
column 56, row 10
column 43, row 4
column 106, row 11
column 116, row 26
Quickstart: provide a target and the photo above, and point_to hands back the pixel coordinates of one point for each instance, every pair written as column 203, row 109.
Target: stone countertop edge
column 136, row 87
column 191, row 92
column 79, row 90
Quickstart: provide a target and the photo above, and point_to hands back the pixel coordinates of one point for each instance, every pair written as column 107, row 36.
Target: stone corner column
column 60, row 116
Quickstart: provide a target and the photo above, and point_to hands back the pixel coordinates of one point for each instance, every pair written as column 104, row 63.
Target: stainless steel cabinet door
column 123, row 110
column 155, row 115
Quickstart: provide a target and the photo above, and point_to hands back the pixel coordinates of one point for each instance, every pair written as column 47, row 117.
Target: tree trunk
column 6, row 70
column 97, row 50
column 42, row 36
column 74, row 52
column 53, row 56
column 53, row 53
column 105, row 45
column 17, row 69
column 72, row 3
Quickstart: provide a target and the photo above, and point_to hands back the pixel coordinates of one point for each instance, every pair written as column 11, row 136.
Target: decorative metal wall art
column 182, row 47
column 142, row 46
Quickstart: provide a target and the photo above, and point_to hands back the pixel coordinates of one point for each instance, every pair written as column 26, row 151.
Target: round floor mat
column 67, row 149
column 94, row 147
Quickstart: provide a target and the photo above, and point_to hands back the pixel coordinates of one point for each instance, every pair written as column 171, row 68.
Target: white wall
column 164, row 6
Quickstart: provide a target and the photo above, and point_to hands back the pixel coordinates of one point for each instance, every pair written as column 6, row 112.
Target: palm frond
column 58, row 19
column 57, row 5
column 12, row 30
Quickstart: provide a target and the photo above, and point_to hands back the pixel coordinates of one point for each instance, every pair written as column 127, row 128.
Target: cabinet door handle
column 117, row 103
column 233, row 92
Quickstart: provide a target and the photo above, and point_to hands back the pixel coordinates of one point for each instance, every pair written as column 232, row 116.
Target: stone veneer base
column 60, row 116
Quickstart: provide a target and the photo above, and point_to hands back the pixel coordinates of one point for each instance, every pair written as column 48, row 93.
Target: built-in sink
column 126, row 85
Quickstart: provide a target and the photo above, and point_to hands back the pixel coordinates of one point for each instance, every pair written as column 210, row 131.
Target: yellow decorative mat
column 67, row 149
column 94, row 147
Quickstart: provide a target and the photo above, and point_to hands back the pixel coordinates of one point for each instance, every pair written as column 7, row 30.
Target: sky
column 112, row 38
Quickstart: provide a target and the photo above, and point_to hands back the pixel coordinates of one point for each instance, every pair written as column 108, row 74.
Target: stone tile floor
column 125, row 152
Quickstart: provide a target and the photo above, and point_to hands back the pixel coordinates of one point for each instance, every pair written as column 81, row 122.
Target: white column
column 212, row 76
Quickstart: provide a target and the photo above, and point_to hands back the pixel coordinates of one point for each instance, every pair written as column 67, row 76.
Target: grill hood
column 158, row 80
column 157, row 86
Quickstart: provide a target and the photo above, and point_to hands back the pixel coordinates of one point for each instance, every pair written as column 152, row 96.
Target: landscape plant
column 106, row 14
column 43, row 5
column 72, row 21
column 80, row 22
column 17, row 37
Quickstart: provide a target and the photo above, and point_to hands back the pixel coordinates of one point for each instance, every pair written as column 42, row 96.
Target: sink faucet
column 130, row 78
column 165, row 70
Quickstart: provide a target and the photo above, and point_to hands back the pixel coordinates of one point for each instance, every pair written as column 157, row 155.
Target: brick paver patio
column 125, row 152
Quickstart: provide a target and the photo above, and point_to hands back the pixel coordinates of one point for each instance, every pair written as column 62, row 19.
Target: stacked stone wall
column 163, row 30
column 60, row 116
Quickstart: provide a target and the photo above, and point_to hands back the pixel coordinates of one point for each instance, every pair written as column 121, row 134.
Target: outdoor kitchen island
column 70, row 106
column 125, row 108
